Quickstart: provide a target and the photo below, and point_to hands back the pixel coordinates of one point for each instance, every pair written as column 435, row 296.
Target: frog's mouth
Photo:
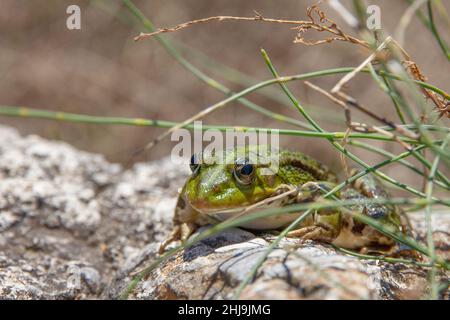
column 215, row 211
column 273, row 201
column 264, row 223
column 276, row 200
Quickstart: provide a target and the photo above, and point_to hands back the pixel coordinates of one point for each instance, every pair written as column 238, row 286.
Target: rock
column 70, row 222
column 73, row 226
column 295, row 270
column 49, row 211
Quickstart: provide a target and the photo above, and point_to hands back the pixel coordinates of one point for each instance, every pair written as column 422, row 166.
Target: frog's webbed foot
column 185, row 221
column 403, row 251
column 317, row 233
column 381, row 251
column 396, row 251
column 174, row 236
column 322, row 225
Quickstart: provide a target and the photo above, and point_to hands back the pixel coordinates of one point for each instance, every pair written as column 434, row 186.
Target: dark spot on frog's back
column 345, row 224
column 308, row 164
column 358, row 227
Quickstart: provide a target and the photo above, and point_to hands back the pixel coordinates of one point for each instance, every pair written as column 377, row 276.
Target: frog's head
column 230, row 184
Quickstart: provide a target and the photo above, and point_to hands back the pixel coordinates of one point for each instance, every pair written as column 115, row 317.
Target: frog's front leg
column 186, row 221
column 321, row 225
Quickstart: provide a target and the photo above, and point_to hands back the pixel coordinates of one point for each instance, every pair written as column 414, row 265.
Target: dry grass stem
column 362, row 127
column 300, row 25
column 402, row 130
column 257, row 17
column 332, row 27
column 441, row 103
column 352, row 74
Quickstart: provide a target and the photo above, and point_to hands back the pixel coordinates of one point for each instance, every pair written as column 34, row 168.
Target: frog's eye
column 194, row 163
column 244, row 172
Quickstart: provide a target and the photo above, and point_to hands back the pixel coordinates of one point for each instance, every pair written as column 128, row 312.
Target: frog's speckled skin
column 214, row 193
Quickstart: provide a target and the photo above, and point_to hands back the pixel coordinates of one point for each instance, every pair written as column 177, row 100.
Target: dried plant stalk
column 299, row 25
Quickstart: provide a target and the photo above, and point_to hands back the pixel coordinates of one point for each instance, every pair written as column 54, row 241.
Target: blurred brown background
column 100, row 70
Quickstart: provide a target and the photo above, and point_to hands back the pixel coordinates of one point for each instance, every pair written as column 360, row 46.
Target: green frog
column 244, row 180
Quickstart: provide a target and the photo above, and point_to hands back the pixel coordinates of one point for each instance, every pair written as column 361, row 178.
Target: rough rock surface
column 73, row 226
column 297, row 269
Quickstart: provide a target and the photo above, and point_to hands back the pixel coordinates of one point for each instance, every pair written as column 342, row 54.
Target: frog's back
column 297, row 168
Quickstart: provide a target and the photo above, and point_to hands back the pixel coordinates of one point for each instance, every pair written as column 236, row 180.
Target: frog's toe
column 377, row 250
column 186, row 230
column 404, row 251
column 180, row 232
column 299, row 233
column 317, row 233
column 395, row 251
column 174, row 236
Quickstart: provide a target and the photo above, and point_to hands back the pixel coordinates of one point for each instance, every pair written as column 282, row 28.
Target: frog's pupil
column 247, row 169
column 195, row 164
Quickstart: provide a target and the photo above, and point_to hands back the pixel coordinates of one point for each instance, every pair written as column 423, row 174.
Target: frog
column 244, row 180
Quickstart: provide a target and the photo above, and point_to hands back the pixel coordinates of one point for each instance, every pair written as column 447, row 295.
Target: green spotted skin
column 214, row 192
column 298, row 168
